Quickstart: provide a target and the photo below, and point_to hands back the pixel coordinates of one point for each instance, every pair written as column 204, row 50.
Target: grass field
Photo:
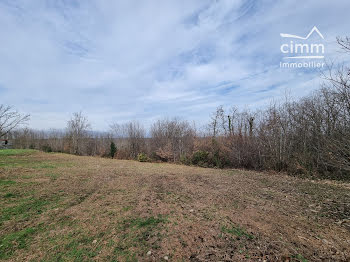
column 58, row 207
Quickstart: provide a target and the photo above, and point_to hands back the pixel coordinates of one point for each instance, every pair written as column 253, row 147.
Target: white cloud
column 119, row 60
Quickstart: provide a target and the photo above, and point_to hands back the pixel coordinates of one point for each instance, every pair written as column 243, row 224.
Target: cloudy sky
column 143, row 60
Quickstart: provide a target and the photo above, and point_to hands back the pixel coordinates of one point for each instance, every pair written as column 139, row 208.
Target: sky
column 118, row 61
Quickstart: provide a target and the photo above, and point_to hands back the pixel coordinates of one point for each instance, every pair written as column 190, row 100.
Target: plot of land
column 58, row 207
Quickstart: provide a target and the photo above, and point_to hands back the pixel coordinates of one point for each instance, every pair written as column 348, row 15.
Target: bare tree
column 131, row 138
column 344, row 43
column 172, row 139
column 218, row 122
column 136, row 138
column 10, row 119
column 77, row 129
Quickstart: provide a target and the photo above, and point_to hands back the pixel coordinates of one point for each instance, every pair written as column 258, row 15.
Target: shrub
column 142, row 157
column 201, row 158
column 185, row 160
column 217, row 161
column 47, row 148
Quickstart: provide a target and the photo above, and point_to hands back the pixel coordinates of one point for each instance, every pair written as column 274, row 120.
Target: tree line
column 306, row 137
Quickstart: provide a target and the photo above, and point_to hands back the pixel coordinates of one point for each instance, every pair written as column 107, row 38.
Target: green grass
column 8, row 159
column 10, row 162
column 6, row 182
column 16, row 152
column 17, row 240
column 10, row 195
column 127, row 208
column 25, row 208
column 237, row 231
column 300, row 258
column 45, row 165
column 143, row 222
column 52, row 176
column 77, row 249
column 135, row 233
column 20, row 202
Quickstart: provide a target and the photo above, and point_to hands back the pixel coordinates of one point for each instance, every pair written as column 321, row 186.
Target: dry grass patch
column 58, row 207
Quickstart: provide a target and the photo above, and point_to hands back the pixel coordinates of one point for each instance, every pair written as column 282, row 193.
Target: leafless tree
column 172, row 139
column 131, row 138
column 77, row 129
column 135, row 137
column 218, row 122
column 308, row 136
column 10, row 119
column 344, row 43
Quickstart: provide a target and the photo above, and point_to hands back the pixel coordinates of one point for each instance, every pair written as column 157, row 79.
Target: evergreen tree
column 113, row 149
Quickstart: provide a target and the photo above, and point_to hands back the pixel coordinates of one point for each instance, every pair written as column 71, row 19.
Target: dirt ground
column 59, row 207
